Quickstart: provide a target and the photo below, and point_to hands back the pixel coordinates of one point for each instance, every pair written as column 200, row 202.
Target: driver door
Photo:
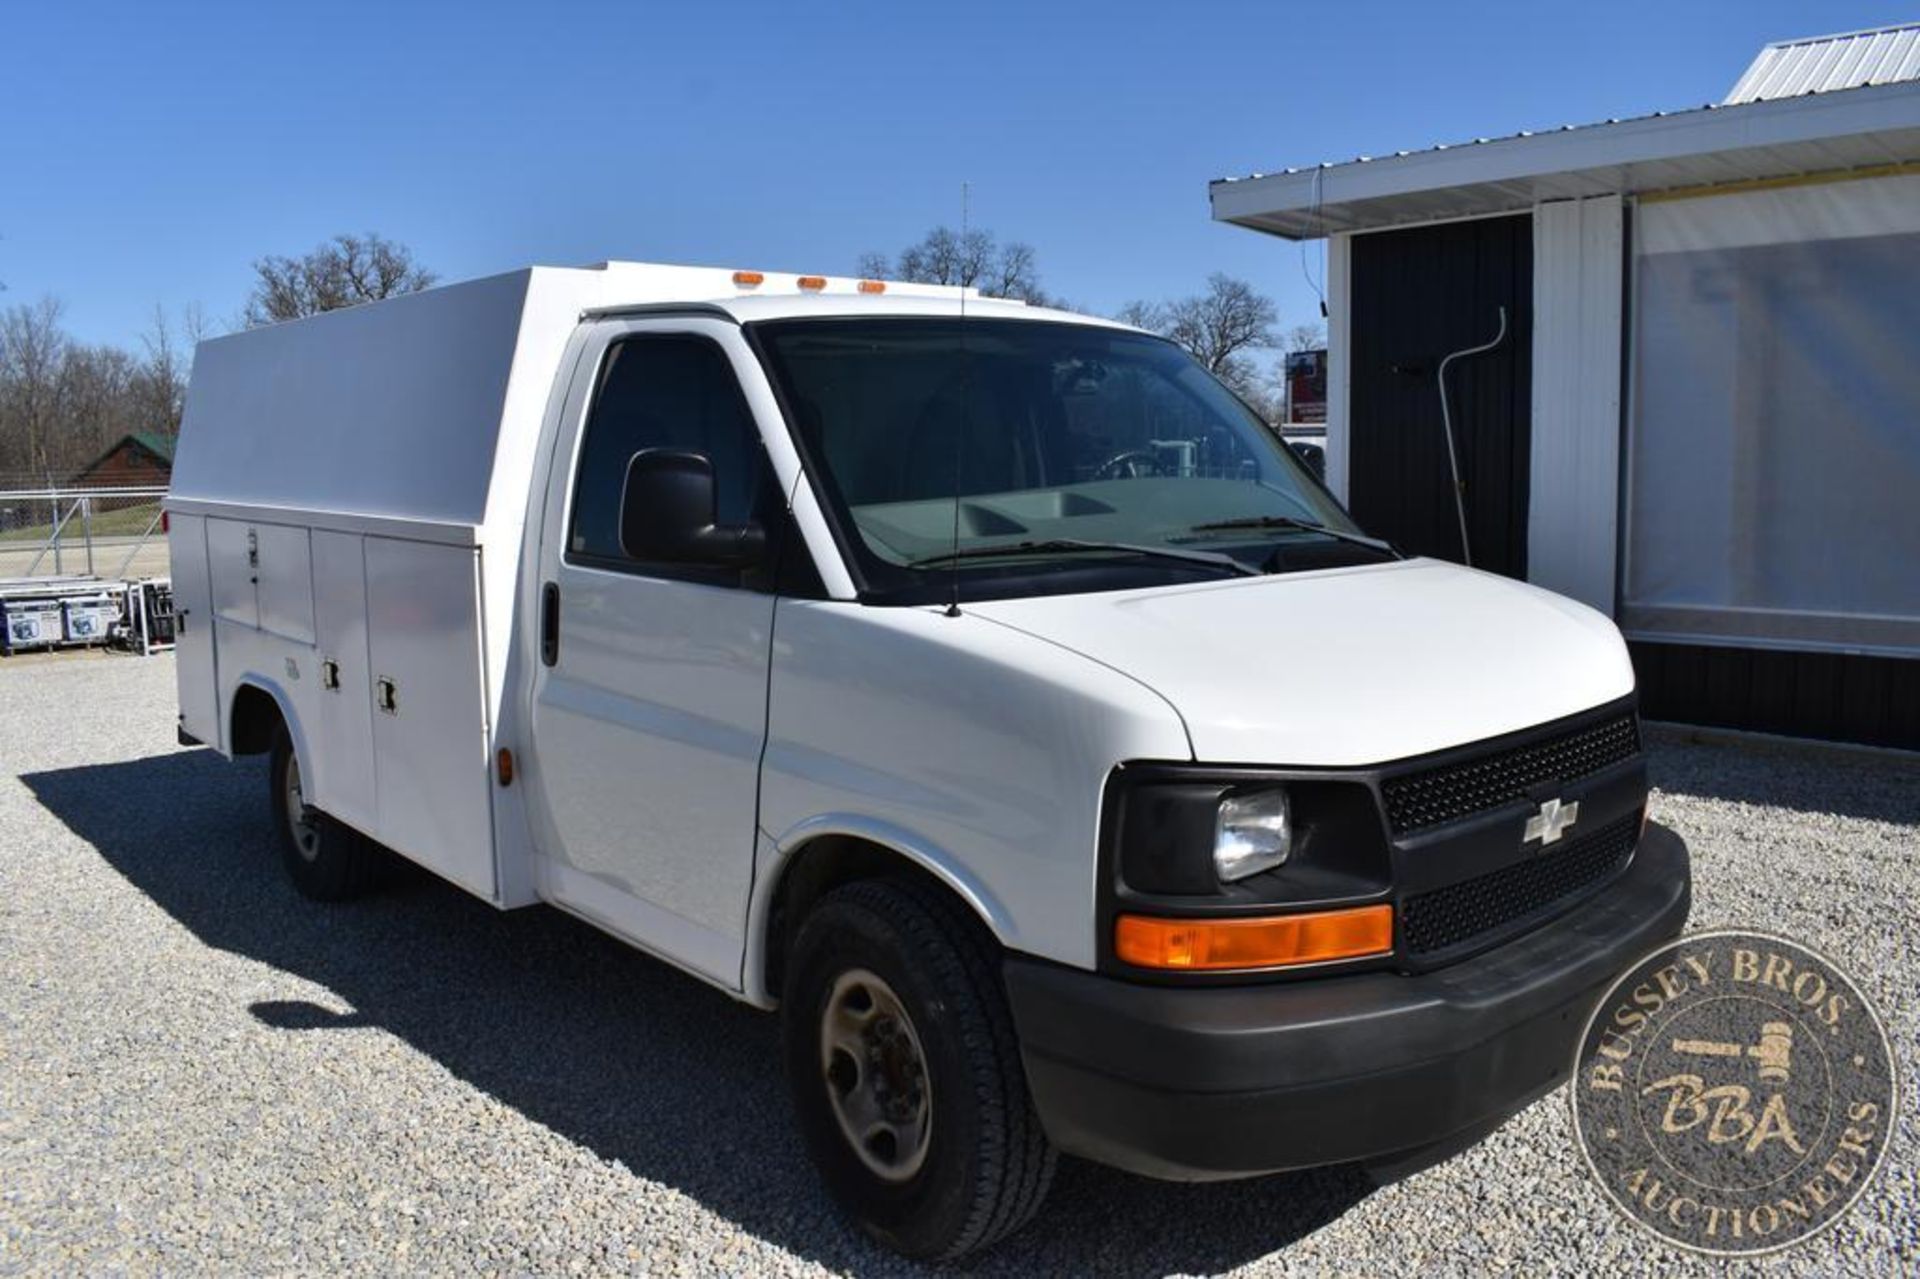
column 649, row 701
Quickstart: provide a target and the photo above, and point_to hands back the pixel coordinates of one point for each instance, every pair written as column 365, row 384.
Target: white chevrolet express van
column 983, row 687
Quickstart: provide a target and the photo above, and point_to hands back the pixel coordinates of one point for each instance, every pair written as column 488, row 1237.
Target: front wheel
column 326, row 860
column 906, row 1072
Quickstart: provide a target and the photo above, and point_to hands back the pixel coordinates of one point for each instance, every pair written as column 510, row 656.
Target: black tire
column 986, row 1164
column 327, row 861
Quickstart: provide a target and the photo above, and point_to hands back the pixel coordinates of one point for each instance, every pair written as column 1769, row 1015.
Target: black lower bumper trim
column 1206, row 1083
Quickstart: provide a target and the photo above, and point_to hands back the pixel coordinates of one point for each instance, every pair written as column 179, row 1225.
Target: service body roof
column 1860, row 129
column 427, row 407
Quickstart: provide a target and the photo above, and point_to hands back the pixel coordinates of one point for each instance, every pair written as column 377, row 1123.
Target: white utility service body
column 370, row 511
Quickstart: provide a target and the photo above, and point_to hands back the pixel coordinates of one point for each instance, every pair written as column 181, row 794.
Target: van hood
column 1345, row 667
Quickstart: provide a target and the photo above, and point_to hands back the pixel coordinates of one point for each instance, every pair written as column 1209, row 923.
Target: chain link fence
column 97, row 532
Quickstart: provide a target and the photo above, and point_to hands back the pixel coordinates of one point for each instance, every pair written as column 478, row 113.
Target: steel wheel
column 876, row 1075
column 302, row 825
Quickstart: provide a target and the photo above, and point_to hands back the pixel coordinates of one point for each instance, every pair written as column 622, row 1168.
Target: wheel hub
column 876, row 1075
column 301, row 823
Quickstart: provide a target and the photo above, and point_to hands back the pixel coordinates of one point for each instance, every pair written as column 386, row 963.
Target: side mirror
column 667, row 514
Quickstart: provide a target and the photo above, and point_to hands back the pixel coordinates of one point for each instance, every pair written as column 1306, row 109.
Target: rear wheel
column 906, row 1072
column 326, row 860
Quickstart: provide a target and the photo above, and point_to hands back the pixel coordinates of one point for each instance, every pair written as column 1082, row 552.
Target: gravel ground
column 201, row 1072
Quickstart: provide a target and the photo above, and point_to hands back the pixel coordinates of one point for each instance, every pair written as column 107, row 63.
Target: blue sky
column 150, row 151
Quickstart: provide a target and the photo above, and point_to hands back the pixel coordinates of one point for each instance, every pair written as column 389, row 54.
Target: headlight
column 1252, row 832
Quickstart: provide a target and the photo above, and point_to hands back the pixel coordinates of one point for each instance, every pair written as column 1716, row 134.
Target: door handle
column 550, row 623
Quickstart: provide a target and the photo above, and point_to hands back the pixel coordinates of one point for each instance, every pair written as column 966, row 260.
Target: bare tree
column 345, row 271
column 1306, row 337
column 1220, row 328
column 969, row 259
column 1216, row 326
column 63, row 403
column 98, row 403
column 33, row 349
column 159, row 386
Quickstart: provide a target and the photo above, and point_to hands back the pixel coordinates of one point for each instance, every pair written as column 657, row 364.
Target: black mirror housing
column 667, row 512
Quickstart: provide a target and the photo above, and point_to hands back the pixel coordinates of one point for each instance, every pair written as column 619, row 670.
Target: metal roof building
column 1790, row 68
column 1682, row 384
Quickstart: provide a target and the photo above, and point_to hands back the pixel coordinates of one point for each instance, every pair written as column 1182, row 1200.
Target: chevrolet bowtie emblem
column 1551, row 822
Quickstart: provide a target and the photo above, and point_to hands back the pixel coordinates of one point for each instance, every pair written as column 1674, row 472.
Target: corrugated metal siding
column 1574, row 497
column 1826, row 63
column 1839, row 697
column 1415, row 296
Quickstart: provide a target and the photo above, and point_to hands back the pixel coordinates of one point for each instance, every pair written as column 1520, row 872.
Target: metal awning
column 1852, row 129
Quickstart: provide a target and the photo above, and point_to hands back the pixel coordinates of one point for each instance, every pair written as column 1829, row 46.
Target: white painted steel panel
column 285, row 573
column 413, row 530
column 430, row 752
column 389, row 409
column 235, row 595
column 282, row 668
column 342, row 773
column 1339, row 362
column 648, row 732
column 973, row 749
column 1578, row 282
column 193, row 647
column 1409, row 657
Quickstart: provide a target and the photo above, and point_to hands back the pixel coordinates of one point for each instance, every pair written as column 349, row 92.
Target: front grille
column 1449, row 791
column 1446, row 917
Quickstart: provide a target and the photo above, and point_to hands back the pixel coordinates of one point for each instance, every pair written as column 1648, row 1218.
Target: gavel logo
column 1725, row 1108
column 1774, row 1052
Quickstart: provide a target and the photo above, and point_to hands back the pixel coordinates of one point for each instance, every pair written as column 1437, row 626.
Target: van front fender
column 775, row 857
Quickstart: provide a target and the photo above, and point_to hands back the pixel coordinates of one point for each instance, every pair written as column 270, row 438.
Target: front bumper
column 1204, row 1083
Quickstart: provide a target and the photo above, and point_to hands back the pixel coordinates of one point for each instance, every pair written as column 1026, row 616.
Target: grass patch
column 126, row 518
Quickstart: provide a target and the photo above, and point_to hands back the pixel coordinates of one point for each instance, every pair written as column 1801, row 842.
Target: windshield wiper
column 1305, row 526
column 1070, row 546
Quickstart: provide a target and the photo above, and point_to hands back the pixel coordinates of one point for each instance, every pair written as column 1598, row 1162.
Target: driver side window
column 661, row 392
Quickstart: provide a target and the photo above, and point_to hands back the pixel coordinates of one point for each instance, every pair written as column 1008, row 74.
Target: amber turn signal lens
column 746, row 279
column 1272, row 941
column 872, row 286
column 503, row 766
column 813, row 281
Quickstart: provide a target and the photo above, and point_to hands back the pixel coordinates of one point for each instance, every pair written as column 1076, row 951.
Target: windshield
column 1080, row 458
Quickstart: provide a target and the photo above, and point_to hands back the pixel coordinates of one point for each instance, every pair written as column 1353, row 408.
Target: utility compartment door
column 284, row 600
column 233, row 560
column 193, row 607
column 342, row 731
column 430, row 748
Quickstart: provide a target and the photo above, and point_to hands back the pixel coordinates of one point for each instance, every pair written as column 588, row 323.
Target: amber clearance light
column 1272, row 941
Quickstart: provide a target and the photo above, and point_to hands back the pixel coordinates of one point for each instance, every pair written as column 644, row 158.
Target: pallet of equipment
column 29, row 624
